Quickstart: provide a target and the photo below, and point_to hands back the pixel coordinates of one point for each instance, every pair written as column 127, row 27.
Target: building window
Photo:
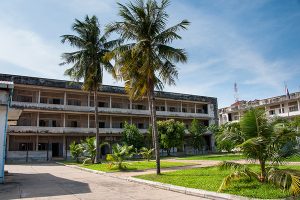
column 172, row 109
column 272, row 112
column 140, row 107
column 74, row 102
column 101, row 124
column 54, row 123
column 293, row 108
column 25, row 146
column 55, row 101
column 184, row 110
column 121, row 125
column 162, row 108
column 140, row 125
column 101, row 104
column 74, row 124
column 43, row 100
column 42, row 123
column 42, row 146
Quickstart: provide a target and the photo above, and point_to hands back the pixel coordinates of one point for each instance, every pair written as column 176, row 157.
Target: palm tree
column 119, row 154
column 147, row 62
column 88, row 61
column 263, row 140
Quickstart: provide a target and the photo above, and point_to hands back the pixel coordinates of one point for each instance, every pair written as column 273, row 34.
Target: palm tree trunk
column 262, row 164
column 97, row 158
column 154, row 130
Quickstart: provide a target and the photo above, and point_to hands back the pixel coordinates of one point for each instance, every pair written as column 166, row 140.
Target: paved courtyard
column 52, row 181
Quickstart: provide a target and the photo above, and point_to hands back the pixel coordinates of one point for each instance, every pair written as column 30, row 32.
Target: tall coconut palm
column 147, row 61
column 261, row 139
column 88, row 60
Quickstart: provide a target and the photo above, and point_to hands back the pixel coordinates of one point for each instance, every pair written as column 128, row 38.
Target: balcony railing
column 62, row 130
column 41, row 106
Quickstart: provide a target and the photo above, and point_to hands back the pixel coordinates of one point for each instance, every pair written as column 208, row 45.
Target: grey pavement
column 52, row 181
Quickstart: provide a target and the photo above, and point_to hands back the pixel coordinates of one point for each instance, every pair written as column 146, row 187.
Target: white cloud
column 28, row 50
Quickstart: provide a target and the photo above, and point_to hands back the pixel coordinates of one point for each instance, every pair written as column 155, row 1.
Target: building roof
column 26, row 80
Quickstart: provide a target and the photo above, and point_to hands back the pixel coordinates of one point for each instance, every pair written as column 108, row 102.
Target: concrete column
column 110, row 101
column 181, row 106
column 110, row 121
column 89, row 100
column 298, row 105
column 39, row 97
column 65, row 98
column 130, row 105
column 88, row 120
column 64, row 120
column 166, row 106
column 37, row 143
column 208, row 109
column 131, row 120
column 38, row 119
column 195, row 108
column 64, row 147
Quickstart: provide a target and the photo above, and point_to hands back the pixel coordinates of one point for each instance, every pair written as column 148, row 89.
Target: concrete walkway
column 52, row 181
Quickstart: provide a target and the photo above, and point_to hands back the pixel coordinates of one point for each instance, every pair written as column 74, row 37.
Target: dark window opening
column 55, row 101
column 74, row 124
column 42, row 146
column 184, row 110
column 43, row 100
column 229, row 117
column 172, row 109
column 42, row 123
column 25, row 146
column 121, row 125
column 140, row 107
column 101, row 104
column 54, row 123
column 140, row 125
column 101, row 124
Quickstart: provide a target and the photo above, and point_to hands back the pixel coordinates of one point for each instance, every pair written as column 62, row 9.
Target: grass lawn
column 131, row 165
column 221, row 157
column 295, row 158
column 210, row 178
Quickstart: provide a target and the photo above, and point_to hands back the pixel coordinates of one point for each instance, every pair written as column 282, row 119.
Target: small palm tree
column 88, row 61
column 119, row 154
column 147, row 62
column 263, row 140
column 146, row 153
column 76, row 151
column 89, row 149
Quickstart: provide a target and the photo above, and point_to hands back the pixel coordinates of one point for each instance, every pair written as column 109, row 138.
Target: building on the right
column 282, row 106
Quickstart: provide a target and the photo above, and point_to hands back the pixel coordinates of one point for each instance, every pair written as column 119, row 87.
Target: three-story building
column 49, row 114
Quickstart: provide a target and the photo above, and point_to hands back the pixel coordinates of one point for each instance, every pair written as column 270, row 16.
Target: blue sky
column 255, row 43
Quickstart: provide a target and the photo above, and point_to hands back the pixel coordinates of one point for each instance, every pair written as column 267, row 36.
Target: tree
column 119, row 154
column 89, row 149
column 132, row 136
column 171, row 134
column 76, row 151
column 88, row 60
column 147, row 62
column 197, row 131
column 146, row 153
column 228, row 136
column 261, row 140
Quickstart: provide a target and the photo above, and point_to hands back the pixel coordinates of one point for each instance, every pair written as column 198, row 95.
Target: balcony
column 55, row 107
column 64, row 130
